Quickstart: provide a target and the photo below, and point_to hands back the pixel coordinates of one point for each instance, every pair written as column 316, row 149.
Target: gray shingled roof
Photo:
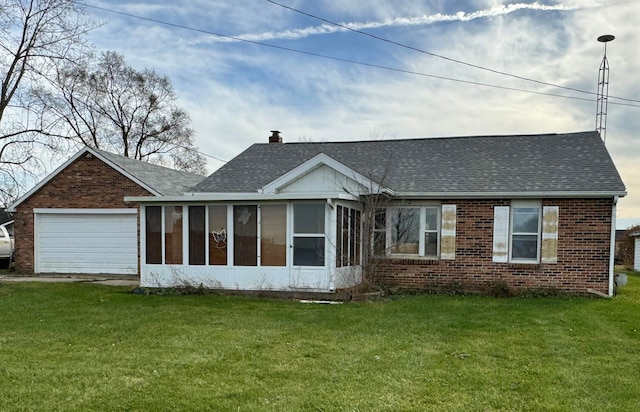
column 571, row 162
column 163, row 180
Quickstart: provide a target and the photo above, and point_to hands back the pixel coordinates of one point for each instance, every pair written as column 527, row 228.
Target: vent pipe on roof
column 275, row 137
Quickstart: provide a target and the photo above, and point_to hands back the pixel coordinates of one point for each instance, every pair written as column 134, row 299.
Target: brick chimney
column 275, row 137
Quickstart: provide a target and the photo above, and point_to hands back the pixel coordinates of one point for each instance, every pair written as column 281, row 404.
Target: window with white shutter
column 525, row 232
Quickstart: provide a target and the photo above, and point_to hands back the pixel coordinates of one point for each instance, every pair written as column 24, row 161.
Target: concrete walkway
column 113, row 280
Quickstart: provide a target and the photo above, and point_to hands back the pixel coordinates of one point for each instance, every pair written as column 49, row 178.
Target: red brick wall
column 584, row 238
column 86, row 183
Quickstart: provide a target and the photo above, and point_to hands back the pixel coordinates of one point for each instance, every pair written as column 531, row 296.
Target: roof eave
column 511, row 195
column 239, row 197
column 85, row 150
column 253, row 196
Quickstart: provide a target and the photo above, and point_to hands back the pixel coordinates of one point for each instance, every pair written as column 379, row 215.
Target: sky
column 242, row 68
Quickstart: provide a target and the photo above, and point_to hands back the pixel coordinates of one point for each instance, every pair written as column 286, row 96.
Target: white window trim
column 163, row 226
column 292, row 235
column 358, row 239
column 422, row 231
column 515, row 204
column 207, row 240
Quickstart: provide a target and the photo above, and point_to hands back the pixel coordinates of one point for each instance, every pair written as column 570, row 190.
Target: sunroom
column 252, row 244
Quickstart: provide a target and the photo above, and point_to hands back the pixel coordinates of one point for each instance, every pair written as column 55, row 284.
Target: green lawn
column 91, row 347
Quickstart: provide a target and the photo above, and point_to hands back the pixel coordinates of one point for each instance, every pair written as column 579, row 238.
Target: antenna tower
column 603, row 89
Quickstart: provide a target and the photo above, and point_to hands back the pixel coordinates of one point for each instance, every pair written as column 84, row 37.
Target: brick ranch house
column 532, row 211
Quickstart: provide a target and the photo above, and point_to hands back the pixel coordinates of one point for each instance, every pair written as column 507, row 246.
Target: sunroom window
column 173, row 235
column 245, row 235
column 308, row 234
column 153, row 234
column 347, row 236
column 163, row 235
column 273, row 235
column 217, row 235
column 197, row 235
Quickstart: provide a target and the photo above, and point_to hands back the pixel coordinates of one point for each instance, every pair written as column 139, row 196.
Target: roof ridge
column 554, row 162
column 403, row 139
column 138, row 161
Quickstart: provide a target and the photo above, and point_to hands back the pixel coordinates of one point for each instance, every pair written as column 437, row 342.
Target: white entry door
column 91, row 241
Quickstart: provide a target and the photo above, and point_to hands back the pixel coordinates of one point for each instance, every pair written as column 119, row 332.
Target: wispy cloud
column 460, row 16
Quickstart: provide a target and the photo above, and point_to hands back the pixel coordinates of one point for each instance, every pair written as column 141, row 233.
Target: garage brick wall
column 86, row 183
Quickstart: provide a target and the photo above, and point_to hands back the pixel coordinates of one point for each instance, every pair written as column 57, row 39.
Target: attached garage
column 93, row 241
column 76, row 220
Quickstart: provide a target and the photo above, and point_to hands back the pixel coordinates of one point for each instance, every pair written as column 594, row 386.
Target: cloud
column 500, row 10
column 236, row 92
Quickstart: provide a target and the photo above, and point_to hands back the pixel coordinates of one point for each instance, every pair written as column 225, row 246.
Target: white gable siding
column 636, row 260
column 323, row 180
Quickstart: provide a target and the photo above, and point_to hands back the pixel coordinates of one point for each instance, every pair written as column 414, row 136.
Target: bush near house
column 91, row 347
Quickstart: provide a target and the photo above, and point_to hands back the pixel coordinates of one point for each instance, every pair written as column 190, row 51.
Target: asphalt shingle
column 165, row 181
column 570, row 162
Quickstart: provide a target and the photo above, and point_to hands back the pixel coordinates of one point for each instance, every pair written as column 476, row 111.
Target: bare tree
column 373, row 201
column 34, row 36
column 106, row 104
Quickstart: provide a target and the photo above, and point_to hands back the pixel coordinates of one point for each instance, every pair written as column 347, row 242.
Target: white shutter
column 501, row 234
column 549, row 252
column 448, row 233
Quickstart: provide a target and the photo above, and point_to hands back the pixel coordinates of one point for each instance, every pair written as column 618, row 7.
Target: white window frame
column 422, row 230
column 295, row 235
column 375, row 231
column 525, row 204
column 353, row 235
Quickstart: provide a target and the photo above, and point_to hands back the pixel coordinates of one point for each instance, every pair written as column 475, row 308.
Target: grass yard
column 90, row 347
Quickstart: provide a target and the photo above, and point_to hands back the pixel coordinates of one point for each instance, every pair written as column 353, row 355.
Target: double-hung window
column 308, row 234
column 525, row 232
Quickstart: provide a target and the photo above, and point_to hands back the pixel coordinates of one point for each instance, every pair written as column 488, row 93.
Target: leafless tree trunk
column 372, row 203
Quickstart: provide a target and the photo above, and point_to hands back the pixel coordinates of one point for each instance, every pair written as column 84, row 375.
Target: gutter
column 510, row 195
column 612, row 246
column 253, row 196
column 232, row 197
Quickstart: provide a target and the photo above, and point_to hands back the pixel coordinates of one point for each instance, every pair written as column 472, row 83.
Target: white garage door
column 86, row 241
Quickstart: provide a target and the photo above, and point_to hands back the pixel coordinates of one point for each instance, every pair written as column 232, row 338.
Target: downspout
column 612, row 248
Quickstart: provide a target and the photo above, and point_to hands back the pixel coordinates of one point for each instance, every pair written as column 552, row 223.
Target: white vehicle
column 6, row 244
